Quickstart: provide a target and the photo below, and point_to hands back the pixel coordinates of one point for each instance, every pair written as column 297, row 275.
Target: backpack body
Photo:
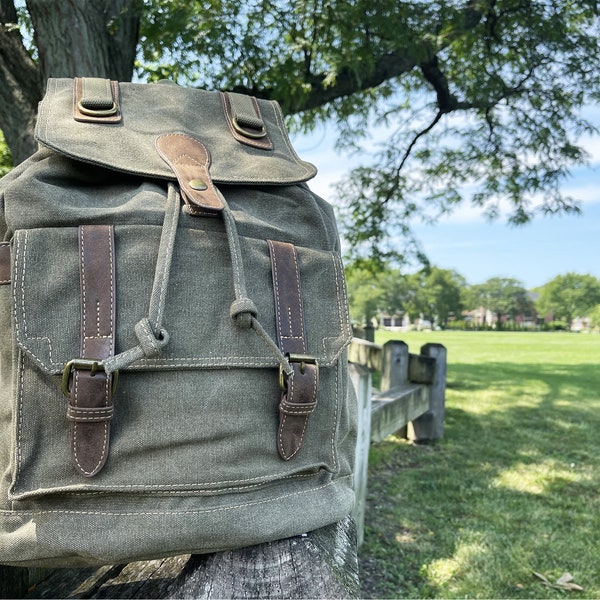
column 173, row 332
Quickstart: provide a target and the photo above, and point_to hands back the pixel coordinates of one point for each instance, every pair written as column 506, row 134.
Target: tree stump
column 319, row 564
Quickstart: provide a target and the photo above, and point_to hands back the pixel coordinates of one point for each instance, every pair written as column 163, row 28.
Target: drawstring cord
column 151, row 336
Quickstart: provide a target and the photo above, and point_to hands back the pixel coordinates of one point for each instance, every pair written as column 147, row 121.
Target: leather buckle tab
column 303, row 360
column 84, row 364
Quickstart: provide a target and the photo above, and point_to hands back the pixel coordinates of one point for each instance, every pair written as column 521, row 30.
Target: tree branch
column 353, row 79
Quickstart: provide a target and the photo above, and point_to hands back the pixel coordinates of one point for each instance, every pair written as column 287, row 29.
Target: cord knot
column 242, row 311
column 151, row 342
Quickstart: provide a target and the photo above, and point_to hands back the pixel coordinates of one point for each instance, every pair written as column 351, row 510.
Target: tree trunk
column 85, row 38
column 20, row 86
column 93, row 38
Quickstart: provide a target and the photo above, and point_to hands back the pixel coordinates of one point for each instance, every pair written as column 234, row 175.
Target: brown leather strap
column 96, row 100
column 90, row 409
column 4, row 263
column 299, row 392
column 245, row 122
column 190, row 161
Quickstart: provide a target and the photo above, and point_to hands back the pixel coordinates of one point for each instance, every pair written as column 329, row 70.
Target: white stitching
column 335, row 418
column 299, row 296
column 174, row 512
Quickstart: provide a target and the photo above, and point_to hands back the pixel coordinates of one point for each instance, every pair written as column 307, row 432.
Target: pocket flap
column 202, row 333
column 149, row 110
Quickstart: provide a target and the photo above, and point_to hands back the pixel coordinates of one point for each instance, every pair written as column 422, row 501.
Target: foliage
column 439, row 294
column 594, row 316
column 476, row 100
column 373, row 292
column 568, row 296
column 432, row 293
column 5, row 157
column 481, row 96
column 505, row 297
column 497, row 499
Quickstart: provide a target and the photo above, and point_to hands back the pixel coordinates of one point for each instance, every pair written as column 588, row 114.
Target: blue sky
column 479, row 249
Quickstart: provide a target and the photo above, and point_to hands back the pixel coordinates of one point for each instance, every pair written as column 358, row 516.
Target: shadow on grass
column 512, row 489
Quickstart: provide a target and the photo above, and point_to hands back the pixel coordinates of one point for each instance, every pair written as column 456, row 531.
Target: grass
column 513, row 489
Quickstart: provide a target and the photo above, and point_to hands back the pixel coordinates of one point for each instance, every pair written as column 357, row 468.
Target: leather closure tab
column 245, row 120
column 96, row 100
column 90, row 404
column 190, row 161
column 299, row 391
column 5, row 269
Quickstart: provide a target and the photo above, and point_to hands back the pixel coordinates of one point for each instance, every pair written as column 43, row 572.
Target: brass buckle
column 248, row 131
column 84, row 364
column 303, row 359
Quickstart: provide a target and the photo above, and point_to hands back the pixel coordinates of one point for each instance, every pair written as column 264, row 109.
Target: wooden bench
column 320, row 564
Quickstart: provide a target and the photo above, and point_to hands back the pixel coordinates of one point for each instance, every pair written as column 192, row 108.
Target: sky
column 479, row 249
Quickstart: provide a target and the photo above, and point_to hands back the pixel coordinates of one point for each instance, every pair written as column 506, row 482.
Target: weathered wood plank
column 365, row 353
column 430, row 425
column 421, row 369
column 361, row 380
column 395, row 408
column 320, row 564
column 394, row 367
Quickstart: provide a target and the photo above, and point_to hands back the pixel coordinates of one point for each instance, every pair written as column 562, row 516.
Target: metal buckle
column 98, row 112
column 303, row 359
column 248, row 131
column 85, row 364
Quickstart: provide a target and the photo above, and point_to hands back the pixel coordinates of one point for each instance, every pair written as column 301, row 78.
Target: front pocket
column 203, row 416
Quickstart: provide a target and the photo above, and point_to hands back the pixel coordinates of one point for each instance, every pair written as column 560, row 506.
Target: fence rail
column 323, row 563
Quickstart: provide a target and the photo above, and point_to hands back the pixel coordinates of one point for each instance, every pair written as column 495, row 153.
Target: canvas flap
column 150, row 110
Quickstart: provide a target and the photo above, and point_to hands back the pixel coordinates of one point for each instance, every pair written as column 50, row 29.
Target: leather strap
column 245, row 121
column 4, row 263
column 190, row 161
column 90, row 408
column 96, row 100
column 299, row 392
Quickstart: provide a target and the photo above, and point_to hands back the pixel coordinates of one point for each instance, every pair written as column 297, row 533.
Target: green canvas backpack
column 173, row 331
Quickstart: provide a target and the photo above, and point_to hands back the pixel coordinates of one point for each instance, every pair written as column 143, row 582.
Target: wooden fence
column 411, row 399
column 320, row 564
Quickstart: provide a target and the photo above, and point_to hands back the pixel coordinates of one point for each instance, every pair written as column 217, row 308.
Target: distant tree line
column 443, row 298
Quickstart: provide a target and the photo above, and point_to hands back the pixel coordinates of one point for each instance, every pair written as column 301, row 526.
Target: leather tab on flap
column 190, row 161
column 96, row 100
column 245, row 120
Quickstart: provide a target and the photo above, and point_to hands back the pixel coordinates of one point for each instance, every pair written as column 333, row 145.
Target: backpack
column 173, row 331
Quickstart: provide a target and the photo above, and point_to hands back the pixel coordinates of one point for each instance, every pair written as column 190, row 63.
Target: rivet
column 198, row 184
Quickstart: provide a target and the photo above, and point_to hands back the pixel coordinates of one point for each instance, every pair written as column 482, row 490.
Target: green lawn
column 512, row 489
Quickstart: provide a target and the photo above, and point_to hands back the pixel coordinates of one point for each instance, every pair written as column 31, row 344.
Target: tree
column 569, row 296
column 83, row 38
column 478, row 95
column 594, row 315
column 504, row 297
column 441, row 294
column 372, row 293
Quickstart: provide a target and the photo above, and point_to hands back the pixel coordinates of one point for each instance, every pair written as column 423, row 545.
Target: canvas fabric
column 193, row 464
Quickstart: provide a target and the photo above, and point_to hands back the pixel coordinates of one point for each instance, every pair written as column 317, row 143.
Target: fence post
column 394, row 368
column 361, row 380
column 430, row 426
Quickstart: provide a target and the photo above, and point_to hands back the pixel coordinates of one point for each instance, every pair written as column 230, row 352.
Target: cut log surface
column 320, row 564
